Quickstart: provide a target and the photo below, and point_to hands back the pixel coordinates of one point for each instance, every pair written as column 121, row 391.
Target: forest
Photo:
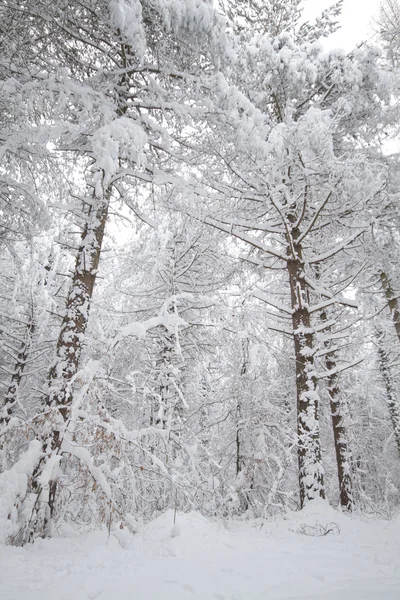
column 199, row 263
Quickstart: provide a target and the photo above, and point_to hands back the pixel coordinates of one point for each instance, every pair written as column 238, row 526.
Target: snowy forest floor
column 209, row 560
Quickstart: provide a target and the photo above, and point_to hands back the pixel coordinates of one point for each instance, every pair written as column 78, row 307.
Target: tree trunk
column 74, row 324
column 340, row 435
column 167, row 407
column 393, row 404
column 311, row 475
column 65, row 367
column 239, row 415
column 242, row 392
column 392, row 301
column 11, row 397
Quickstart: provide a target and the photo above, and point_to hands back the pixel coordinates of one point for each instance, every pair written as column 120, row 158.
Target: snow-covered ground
column 206, row 560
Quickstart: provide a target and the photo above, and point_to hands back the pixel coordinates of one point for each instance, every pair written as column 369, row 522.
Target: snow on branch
column 253, row 241
column 336, row 249
column 120, row 138
column 317, row 287
column 84, row 456
column 339, row 369
column 262, row 296
column 324, row 325
column 326, row 303
column 170, row 320
column 13, row 488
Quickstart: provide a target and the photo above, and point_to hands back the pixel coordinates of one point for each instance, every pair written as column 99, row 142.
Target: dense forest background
column 199, row 250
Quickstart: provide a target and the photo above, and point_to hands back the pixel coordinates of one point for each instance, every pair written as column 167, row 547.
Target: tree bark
column 239, row 415
column 167, row 407
column 65, row 367
column 11, row 396
column 340, row 435
column 244, row 495
column 74, row 324
column 392, row 301
column 393, row 404
column 311, row 475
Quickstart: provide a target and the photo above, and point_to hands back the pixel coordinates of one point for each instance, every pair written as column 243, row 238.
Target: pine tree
column 290, row 190
column 112, row 123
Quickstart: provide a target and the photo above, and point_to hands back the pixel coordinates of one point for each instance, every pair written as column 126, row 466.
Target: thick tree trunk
column 74, row 324
column 340, row 435
column 392, row 301
column 393, row 404
column 311, row 475
column 65, row 367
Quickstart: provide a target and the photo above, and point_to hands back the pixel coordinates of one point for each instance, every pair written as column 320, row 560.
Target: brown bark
column 244, row 495
column 68, row 353
column 393, row 404
column 11, row 396
column 239, row 416
column 311, row 480
column 340, row 435
column 74, row 324
column 167, row 403
column 392, row 301
column 71, row 339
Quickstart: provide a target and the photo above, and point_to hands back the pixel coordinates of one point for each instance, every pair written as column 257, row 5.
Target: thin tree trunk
column 340, row 435
column 240, row 463
column 393, row 404
column 167, row 401
column 239, row 415
column 311, row 476
column 392, row 301
column 11, row 397
column 238, row 440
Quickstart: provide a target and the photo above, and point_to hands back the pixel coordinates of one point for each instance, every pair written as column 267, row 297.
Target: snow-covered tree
column 290, row 182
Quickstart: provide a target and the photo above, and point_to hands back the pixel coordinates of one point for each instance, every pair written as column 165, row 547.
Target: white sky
column 356, row 19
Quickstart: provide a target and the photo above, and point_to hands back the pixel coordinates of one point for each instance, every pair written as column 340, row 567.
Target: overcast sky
column 356, row 20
